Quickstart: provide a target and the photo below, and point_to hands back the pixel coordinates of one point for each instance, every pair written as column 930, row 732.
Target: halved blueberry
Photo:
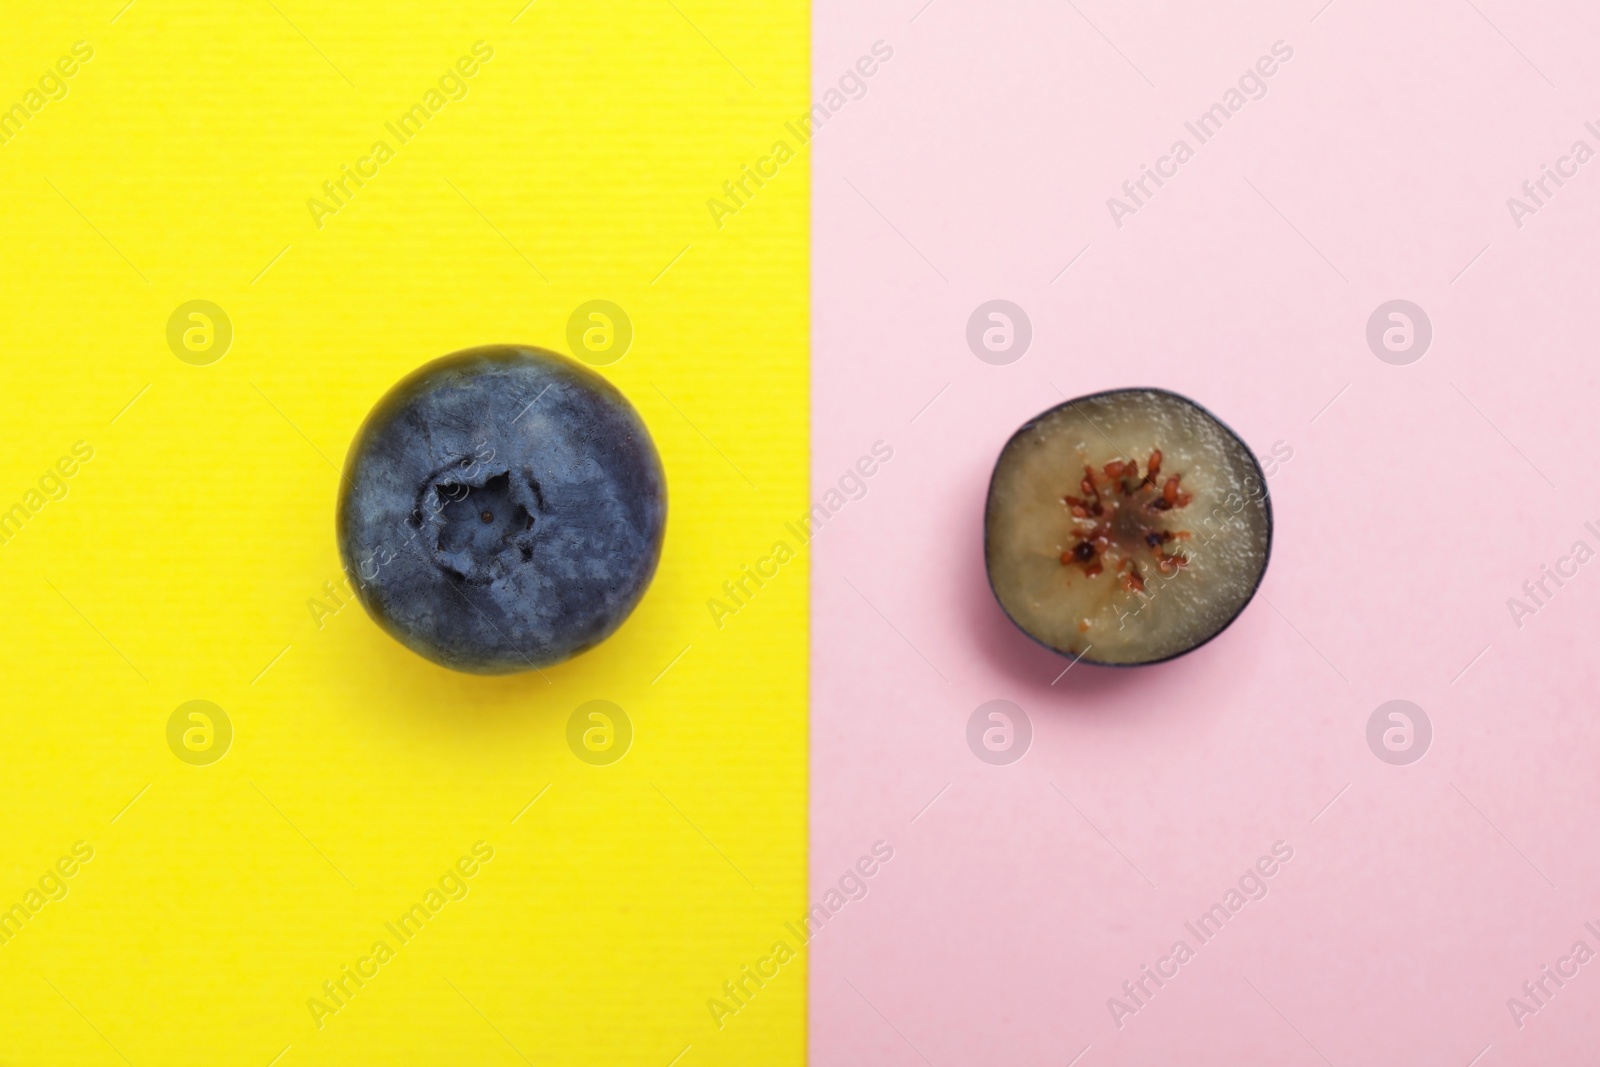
column 502, row 509
column 1126, row 527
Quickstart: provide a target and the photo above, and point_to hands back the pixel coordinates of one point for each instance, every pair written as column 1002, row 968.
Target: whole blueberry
column 502, row 509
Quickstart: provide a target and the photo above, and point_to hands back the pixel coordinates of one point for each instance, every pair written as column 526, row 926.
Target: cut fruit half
column 1126, row 527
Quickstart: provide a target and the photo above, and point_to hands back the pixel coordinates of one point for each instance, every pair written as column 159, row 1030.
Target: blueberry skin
column 502, row 510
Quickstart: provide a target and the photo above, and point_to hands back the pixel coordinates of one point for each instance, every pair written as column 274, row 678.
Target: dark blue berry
column 502, row 509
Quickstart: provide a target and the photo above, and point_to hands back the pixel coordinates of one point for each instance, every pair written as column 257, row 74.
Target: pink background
column 1377, row 167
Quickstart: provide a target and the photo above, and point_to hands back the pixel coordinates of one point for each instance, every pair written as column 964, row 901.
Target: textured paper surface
column 1418, row 499
column 180, row 563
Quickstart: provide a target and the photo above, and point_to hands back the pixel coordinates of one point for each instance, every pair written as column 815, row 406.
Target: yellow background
column 182, row 560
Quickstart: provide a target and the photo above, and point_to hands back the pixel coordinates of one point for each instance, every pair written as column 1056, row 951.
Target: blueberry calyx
column 479, row 527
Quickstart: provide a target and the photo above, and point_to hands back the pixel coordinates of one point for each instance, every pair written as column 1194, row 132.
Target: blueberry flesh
column 502, row 510
column 1126, row 528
